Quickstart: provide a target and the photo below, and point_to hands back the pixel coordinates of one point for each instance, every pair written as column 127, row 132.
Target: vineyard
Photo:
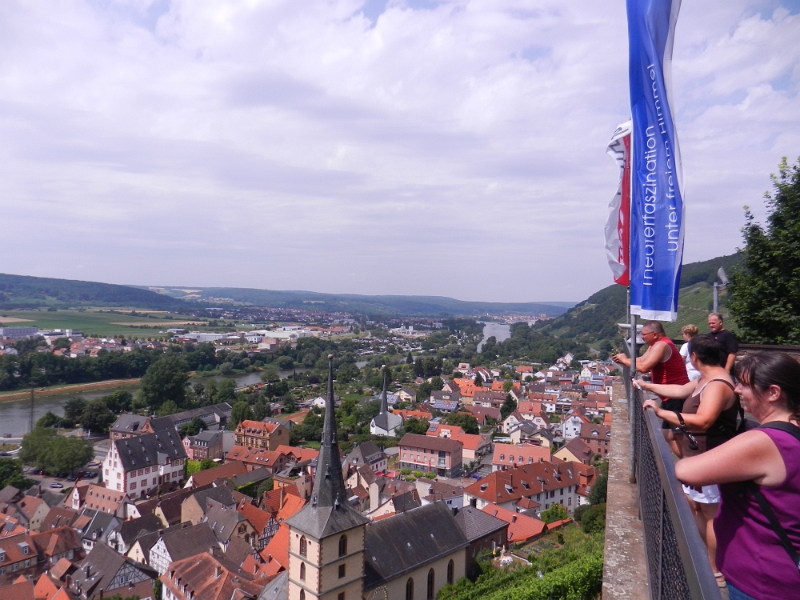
column 564, row 565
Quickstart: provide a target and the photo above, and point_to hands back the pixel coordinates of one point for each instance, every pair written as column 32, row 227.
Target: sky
column 427, row 147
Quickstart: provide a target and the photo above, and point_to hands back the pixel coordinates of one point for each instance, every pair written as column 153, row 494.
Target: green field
column 101, row 322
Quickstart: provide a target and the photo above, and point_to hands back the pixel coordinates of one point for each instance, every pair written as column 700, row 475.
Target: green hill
column 21, row 291
column 595, row 319
column 356, row 303
column 24, row 292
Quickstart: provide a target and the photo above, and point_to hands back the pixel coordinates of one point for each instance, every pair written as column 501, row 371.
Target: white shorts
column 709, row 495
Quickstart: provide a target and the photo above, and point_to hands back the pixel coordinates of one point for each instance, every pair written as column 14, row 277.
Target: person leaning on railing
column 707, row 419
column 758, row 473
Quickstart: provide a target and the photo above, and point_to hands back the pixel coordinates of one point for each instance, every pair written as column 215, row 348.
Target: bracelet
column 680, row 418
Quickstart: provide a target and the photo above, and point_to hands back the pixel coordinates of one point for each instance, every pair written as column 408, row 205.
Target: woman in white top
column 689, row 331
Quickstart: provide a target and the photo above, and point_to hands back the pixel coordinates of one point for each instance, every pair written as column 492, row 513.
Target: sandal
column 720, row 580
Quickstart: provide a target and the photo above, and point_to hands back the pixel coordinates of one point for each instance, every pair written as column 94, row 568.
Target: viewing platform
column 652, row 548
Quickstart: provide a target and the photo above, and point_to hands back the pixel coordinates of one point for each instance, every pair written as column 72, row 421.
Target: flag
column 618, row 225
column 657, row 209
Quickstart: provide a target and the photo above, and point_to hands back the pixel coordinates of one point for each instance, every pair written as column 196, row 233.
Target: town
column 320, row 483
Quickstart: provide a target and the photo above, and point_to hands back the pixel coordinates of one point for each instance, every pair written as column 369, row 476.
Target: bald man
column 666, row 366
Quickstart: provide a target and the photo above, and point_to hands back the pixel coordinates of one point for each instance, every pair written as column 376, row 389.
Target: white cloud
column 450, row 148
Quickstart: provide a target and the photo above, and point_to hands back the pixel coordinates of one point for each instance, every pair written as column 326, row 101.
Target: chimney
column 280, row 507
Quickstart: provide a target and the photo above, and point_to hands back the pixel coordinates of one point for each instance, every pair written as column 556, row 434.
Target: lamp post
column 723, row 282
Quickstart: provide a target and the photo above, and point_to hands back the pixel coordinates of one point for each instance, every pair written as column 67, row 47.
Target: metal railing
column 677, row 560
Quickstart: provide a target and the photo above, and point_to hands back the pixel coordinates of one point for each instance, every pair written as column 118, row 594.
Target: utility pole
column 32, row 386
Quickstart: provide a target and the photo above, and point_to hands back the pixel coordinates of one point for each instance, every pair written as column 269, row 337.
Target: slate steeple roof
column 386, row 420
column 384, row 400
column 328, row 512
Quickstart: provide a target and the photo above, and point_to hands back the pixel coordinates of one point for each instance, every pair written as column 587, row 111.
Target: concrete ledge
column 625, row 569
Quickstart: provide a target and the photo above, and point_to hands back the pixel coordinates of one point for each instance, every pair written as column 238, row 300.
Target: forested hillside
column 590, row 327
column 21, row 291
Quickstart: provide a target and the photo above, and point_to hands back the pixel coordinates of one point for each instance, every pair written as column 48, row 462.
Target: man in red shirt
column 665, row 364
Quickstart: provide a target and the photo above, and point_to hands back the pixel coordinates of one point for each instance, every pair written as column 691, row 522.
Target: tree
column 509, row 406
column 118, row 402
column 45, row 449
column 73, row 410
column 207, row 463
column 285, row 362
column 11, row 474
column 265, row 486
column 61, row 343
column 478, row 380
column 96, row 417
column 225, row 390
column 168, row 408
column 414, row 425
column 48, row 420
column 594, row 520
column 165, row 379
column 765, row 285
column 270, row 373
column 193, row 427
column 556, row 512
column 466, row 421
column 226, row 368
column 240, row 412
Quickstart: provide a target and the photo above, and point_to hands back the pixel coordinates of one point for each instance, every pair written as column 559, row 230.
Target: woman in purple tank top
column 749, row 552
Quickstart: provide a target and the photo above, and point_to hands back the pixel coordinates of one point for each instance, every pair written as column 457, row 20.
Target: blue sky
column 430, row 147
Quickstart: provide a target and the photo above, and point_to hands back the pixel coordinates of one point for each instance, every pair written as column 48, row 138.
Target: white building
column 137, row 465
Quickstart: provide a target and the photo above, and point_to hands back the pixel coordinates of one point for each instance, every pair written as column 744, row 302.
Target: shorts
column 671, row 404
column 709, row 495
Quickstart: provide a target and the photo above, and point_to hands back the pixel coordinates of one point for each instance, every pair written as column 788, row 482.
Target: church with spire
column 385, row 423
column 335, row 553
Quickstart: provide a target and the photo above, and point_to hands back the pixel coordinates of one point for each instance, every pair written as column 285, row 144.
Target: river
column 500, row 331
column 15, row 414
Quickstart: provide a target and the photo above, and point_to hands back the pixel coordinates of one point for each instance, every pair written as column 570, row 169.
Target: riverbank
column 76, row 388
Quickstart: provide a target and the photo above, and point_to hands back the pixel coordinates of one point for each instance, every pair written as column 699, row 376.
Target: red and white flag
column 618, row 224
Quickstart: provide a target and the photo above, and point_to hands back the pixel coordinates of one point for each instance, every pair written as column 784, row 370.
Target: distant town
column 354, row 432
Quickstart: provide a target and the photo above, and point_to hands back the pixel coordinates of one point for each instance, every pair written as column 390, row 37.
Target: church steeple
column 384, row 401
column 328, row 511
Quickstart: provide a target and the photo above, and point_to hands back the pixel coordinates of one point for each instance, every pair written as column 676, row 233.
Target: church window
column 431, row 584
column 341, row 571
column 303, row 546
column 302, row 595
column 343, row 545
column 450, row 572
column 410, row 589
column 341, row 596
column 302, row 571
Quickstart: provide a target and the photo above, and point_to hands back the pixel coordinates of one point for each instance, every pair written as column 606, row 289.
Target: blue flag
column 657, row 210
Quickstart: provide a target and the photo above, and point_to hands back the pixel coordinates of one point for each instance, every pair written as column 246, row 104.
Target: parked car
column 93, row 465
column 4, row 454
column 72, row 478
column 56, row 485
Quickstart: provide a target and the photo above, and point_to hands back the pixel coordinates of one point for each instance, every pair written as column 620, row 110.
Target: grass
column 105, row 323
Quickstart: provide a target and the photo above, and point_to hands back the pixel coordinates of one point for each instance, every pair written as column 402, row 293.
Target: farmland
column 102, row 322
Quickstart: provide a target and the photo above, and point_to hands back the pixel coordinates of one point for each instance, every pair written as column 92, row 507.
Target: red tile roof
column 521, row 528
column 258, row 426
column 226, row 471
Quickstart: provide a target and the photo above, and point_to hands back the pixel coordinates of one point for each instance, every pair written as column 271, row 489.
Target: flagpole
column 631, row 319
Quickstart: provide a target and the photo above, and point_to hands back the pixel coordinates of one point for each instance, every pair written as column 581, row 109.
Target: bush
column 594, row 521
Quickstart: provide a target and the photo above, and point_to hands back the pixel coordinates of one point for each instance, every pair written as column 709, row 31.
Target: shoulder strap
column 783, row 426
column 774, row 523
column 725, row 381
column 762, row 501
